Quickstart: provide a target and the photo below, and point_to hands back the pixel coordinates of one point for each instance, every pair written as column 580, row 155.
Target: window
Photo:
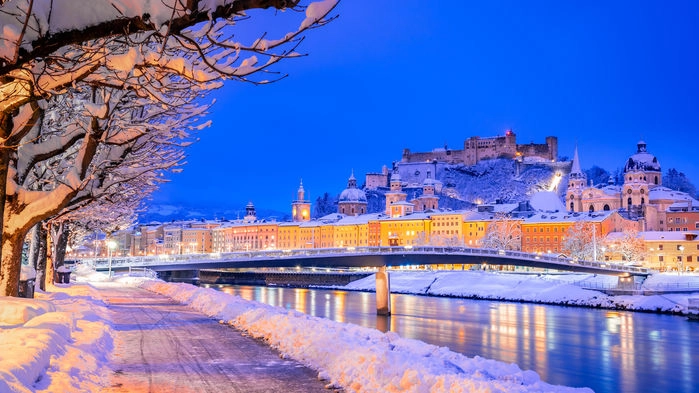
column 689, row 258
column 679, row 247
column 660, row 246
column 660, row 258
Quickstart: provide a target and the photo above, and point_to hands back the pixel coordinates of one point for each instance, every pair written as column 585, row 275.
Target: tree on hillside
column 503, row 233
column 679, row 181
column 597, row 175
column 325, row 205
column 154, row 53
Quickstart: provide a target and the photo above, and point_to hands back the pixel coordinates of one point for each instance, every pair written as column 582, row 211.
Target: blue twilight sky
column 390, row 75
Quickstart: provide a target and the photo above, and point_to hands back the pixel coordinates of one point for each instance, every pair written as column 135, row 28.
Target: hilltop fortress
column 416, row 167
column 477, row 148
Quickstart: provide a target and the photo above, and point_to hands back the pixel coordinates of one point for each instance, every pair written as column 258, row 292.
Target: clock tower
column 301, row 208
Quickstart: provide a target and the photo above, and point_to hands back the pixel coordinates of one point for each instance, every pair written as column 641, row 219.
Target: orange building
column 244, row 236
column 682, row 219
column 546, row 232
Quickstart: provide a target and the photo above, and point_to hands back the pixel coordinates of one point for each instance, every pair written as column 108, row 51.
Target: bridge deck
column 356, row 257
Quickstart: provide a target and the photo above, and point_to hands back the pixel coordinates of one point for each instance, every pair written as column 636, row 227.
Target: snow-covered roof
column 611, row 190
column 642, row 160
column 352, row 195
column 668, row 235
column 568, row 217
column 657, row 193
column 546, row 201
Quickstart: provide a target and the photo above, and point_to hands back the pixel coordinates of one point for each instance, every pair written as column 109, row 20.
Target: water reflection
column 608, row 351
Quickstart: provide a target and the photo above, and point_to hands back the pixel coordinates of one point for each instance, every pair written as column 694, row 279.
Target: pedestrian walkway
column 162, row 346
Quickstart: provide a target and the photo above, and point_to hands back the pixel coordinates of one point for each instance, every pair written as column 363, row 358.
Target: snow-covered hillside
column 488, row 181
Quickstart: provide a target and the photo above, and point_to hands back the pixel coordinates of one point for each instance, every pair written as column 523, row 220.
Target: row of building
column 667, row 221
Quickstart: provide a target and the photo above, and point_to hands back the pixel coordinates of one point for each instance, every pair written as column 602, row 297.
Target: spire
column 301, row 191
column 352, row 182
column 575, row 170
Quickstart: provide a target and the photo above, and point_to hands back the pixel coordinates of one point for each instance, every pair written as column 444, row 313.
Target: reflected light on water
column 608, row 351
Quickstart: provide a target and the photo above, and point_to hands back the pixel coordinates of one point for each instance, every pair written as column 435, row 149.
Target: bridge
column 374, row 257
column 358, row 257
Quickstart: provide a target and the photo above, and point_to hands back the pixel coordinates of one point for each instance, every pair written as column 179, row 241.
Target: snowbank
column 357, row 358
column 56, row 343
column 551, row 289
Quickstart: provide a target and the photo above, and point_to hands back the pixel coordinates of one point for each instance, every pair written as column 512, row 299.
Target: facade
column 682, row 220
column 477, row 149
column 428, row 200
column 546, row 232
column 377, row 180
column 664, row 250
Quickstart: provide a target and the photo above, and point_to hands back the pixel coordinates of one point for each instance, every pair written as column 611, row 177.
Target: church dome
column 352, row 195
column 642, row 161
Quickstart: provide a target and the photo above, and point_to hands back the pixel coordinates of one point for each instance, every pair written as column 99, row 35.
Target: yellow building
column 665, row 251
column 410, row 230
column 447, row 229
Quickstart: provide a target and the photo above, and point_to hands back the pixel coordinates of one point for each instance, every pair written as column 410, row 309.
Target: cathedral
column 641, row 196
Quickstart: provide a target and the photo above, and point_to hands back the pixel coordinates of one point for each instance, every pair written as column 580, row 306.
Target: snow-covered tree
column 325, row 205
column 49, row 53
column 503, row 233
column 582, row 241
column 629, row 245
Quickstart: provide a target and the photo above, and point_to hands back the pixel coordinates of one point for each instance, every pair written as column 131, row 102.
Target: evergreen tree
column 597, row 175
column 678, row 181
column 325, row 205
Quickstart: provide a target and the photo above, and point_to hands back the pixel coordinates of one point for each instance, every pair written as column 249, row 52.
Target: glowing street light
column 111, row 245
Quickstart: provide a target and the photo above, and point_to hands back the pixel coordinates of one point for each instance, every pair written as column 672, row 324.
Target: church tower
column 250, row 214
column 301, row 208
column 428, row 200
column 396, row 194
column 641, row 174
column 576, row 183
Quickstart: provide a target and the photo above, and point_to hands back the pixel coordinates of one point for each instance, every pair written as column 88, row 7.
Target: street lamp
column 111, row 245
column 681, row 260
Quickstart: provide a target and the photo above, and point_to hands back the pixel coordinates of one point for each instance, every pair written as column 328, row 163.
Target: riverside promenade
column 162, row 346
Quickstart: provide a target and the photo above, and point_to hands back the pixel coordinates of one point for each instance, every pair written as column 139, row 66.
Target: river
column 608, row 351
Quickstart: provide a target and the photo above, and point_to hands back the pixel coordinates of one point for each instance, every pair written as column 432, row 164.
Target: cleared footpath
column 163, row 346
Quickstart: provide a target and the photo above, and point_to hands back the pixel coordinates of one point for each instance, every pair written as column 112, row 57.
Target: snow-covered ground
column 550, row 288
column 61, row 341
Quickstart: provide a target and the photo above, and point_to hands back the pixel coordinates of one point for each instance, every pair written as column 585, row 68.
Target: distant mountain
column 169, row 212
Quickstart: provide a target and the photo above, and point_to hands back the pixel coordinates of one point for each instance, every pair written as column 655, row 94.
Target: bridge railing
column 560, row 260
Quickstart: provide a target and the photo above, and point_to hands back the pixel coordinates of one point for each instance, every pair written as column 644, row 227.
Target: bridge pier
column 383, row 292
column 630, row 282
